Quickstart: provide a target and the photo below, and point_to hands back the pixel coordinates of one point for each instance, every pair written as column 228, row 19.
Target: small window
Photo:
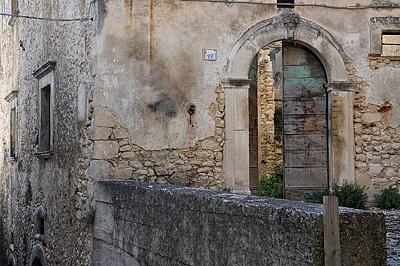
column 11, row 98
column 45, row 121
column 41, row 227
column 40, row 223
column 285, row 1
column 45, row 74
column 390, row 44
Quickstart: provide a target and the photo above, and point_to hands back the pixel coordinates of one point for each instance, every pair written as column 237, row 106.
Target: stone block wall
column 269, row 97
column 141, row 223
column 376, row 128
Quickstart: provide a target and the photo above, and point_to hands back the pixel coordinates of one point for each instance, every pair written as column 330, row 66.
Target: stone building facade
column 159, row 91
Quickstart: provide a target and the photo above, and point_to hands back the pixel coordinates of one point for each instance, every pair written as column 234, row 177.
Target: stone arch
column 37, row 257
column 288, row 26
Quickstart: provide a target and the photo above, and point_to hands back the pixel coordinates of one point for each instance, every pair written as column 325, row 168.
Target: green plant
column 227, row 190
column 387, row 199
column 88, row 219
column 349, row 195
column 318, row 196
column 272, row 186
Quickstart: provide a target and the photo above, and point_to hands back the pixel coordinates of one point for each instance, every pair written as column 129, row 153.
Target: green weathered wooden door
column 305, row 129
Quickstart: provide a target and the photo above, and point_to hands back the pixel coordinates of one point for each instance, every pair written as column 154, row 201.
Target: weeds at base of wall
column 349, row 195
column 388, row 199
column 272, row 186
column 88, row 219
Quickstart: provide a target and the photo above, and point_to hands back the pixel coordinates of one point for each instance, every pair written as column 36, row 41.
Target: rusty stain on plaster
column 385, row 108
column 151, row 29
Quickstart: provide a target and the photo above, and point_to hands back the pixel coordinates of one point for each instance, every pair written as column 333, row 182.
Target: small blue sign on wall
column 210, row 54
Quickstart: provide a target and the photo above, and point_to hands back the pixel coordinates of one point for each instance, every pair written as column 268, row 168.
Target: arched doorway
column 305, row 122
column 288, row 27
column 288, row 121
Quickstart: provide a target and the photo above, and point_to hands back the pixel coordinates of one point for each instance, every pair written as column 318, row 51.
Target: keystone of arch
column 288, row 26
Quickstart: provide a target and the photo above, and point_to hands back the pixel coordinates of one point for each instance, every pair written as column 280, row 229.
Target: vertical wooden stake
column 331, row 231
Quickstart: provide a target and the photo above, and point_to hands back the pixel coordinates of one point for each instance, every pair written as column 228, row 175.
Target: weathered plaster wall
column 149, row 70
column 124, row 86
column 172, row 225
column 29, row 182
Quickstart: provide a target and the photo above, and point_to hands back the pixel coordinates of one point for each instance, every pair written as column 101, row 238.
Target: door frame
column 288, row 26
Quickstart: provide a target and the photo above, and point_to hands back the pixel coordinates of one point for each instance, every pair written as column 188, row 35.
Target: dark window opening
column 37, row 262
column 44, row 141
column 13, row 125
column 285, row 1
column 41, row 227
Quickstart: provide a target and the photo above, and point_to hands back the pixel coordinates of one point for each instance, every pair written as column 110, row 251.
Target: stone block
column 125, row 148
column 203, row 154
column 178, row 179
column 161, row 171
column 204, row 170
column 141, row 172
column 100, row 169
column 241, row 109
column 128, row 155
column 376, row 159
column 101, row 133
column 372, row 117
column 375, row 169
column 124, row 173
column 210, row 145
column 136, row 164
column 103, row 118
column 104, row 254
column 105, row 150
column 82, row 104
column 121, row 133
column 241, row 160
column 104, row 221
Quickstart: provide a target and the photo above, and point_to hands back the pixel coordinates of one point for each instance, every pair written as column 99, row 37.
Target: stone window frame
column 380, row 26
column 285, row 1
column 12, row 100
column 45, row 75
column 39, row 218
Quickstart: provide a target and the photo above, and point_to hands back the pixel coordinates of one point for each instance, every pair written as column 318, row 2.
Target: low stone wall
column 140, row 223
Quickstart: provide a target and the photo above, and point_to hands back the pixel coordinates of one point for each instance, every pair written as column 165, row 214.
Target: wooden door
column 305, row 130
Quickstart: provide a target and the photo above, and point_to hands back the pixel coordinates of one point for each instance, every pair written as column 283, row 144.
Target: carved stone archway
column 288, row 26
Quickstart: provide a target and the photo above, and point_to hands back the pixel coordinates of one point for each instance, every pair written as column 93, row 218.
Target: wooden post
column 331, row 231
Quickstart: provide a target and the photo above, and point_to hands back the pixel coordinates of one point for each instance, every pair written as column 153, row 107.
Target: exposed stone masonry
column 392, row 221
column 116, row 157
column 269, row 97
column 377, row 142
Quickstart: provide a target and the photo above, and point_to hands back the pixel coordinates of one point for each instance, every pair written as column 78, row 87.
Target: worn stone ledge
column 158, row 224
